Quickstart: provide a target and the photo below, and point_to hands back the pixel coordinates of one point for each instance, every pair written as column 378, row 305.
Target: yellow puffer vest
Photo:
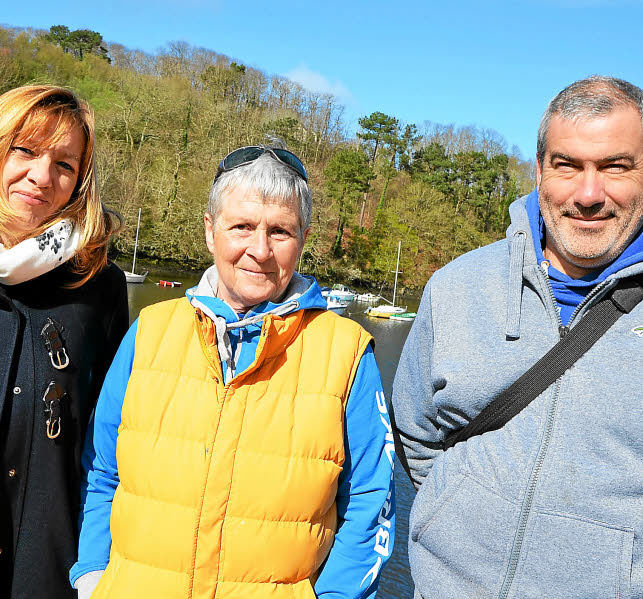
column 229, row 491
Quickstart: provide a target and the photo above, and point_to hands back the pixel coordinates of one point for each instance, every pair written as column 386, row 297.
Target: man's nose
column 259, row 247
column 40, row 171
column 591, row 189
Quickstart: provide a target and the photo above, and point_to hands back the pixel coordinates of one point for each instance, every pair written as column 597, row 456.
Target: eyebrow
column 70, row 155
column 619, row 158
column 63, row 154
column 614, row 158
column 560, row 156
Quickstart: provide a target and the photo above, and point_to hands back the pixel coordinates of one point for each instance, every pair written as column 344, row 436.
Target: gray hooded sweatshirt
column 551, row 505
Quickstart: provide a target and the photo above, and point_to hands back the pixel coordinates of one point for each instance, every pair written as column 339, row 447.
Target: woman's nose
column 40, row 171
column 259, row 247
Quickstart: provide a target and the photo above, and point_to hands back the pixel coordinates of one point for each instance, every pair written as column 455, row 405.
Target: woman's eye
column 66, row 166
column 22, row 150
column 280, row 233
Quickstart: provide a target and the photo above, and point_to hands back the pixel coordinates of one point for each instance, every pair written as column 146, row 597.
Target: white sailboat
column 384, row 310
column 132, row 277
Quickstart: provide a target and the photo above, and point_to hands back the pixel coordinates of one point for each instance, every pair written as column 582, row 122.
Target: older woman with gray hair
column 241, row 445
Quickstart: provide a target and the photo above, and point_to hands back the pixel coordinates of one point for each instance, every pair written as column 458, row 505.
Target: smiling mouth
column 29, row 198
column 589, row 223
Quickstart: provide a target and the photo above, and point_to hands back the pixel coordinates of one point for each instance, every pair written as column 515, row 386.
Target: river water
column 389, row 337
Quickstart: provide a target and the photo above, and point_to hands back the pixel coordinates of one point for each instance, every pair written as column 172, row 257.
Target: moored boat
column 405, row 317
column 132, row 276
column 385, row 311
column 366, row 297
column 335, row 305
column 389, row 311
column 341, row 293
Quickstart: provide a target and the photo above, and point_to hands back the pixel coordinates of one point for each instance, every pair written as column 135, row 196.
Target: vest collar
column 300, row 290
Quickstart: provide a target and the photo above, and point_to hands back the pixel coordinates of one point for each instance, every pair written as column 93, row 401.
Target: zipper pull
column 544, row 265
column 563, row 330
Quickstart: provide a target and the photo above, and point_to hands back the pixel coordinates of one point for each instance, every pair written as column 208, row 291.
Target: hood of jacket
column 238, row 334
column 524, row 238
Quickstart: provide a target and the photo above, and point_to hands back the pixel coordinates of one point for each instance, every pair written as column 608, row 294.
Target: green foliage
column 80, row 43
column 164, row 121
column 476, row 185
column 347, row 177
column 378, row 130
column 406, row 144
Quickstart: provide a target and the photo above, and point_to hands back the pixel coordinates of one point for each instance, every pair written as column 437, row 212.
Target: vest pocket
column 576, row 558
column 460, row 539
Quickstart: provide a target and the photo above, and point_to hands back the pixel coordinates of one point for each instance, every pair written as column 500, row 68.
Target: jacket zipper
column 218, row 378
column 531, row 488
column 562, row 329
column 529, row 497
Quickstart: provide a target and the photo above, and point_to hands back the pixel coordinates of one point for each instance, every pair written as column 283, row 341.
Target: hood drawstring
column 224, row 346
column 514, row 292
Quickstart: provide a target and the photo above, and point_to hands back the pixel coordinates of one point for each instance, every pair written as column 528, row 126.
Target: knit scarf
column 38, row 255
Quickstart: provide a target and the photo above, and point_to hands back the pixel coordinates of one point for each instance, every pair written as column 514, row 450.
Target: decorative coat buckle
column 52, row 397
column 53, row 342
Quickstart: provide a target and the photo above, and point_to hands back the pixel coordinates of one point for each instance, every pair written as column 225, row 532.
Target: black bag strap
column 515, row 398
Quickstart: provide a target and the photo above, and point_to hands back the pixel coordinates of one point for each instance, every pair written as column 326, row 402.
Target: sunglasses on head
column 249, row 154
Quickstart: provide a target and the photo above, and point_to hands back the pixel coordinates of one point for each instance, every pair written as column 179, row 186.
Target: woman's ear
column 209, row 231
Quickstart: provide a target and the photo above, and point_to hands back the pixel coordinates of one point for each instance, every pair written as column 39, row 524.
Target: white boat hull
column 342, row 297
column 385, row 311
column 406, row 317
column 131, row 277
column 367, row 297
column 340, row 292
column 335, row 305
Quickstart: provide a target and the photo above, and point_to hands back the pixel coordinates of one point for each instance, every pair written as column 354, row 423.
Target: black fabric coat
column 39, row 476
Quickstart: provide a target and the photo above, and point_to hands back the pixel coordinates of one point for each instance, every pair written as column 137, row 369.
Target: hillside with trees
column 165, row 120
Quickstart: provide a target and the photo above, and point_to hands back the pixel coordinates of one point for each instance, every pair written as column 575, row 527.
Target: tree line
column 165, row 120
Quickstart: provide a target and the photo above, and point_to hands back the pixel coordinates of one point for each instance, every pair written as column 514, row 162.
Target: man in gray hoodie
column 551, row 504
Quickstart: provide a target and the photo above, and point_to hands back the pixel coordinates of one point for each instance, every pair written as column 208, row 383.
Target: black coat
column 40, row 476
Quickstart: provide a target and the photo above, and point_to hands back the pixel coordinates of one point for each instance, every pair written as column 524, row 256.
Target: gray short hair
column 272, row 180
column 592, row 97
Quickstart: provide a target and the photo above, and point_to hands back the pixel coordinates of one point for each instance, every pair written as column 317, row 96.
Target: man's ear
column 209, row 231
column 539, row 174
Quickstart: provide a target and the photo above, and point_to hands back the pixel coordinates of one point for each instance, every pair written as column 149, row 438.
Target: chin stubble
column 606, row 249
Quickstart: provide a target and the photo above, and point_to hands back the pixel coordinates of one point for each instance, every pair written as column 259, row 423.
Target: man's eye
column 615, row 168
column 280, row 233
column 241, row 227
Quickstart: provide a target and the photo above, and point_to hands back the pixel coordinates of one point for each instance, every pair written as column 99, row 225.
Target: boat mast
column 397, row 270
column 138, row 224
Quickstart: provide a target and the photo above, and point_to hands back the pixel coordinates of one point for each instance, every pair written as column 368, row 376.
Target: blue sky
column 492, row 64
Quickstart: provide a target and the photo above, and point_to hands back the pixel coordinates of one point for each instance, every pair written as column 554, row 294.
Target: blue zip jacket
column 551, row 505
column 365, row 497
